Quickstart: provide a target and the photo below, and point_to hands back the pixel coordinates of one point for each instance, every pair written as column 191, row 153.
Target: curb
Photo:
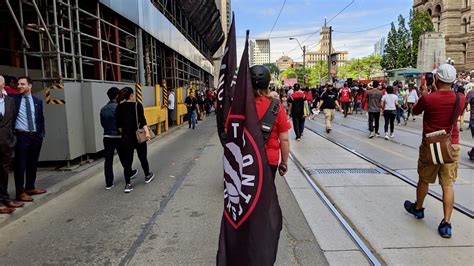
column 69, row 183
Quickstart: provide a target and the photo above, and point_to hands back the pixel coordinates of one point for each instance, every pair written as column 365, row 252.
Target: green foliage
column 363, row 68
column 313, row 73
column 401, row 49
column 420, row 23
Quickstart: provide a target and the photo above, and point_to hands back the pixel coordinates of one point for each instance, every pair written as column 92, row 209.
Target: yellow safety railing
column 157, row 115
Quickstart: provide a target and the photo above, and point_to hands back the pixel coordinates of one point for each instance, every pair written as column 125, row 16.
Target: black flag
column 251, row 223
column 225, row 88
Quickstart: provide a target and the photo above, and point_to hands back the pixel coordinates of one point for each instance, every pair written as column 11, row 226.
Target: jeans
column 389, row 116
column 27, row 151
column 192, row 118
column 400, row 114
column 171, row 117
column 374, row 118
column 127, row 161
column 110, row 146
column 358, row 106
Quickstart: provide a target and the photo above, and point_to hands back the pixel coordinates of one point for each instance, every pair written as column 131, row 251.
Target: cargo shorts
column 447, row 173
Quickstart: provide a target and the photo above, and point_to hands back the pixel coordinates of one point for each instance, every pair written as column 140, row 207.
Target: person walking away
column 309, row 98
column 389, row 106
column 402, row 104
column 412, row 99
column 112, row 140
column 345, row 98
column 470, row 102
column 29, row 132
column 277, row 145
column 438, row 110
column 358, row 101
column 130, row 117
column 297, row 101
column 7, row 143
column 191, row 105
column 171, row 107
column 461, row 90
column 328, row 104
column 374, row 97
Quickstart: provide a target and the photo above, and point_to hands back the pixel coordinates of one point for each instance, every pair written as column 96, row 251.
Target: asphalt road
column 173, row 220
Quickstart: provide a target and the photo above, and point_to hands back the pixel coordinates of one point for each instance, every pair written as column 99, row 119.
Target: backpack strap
column 269, row 118
column 454, row 118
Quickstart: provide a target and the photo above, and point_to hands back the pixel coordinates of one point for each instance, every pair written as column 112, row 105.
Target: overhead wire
column 276, row 20
column 359, row 31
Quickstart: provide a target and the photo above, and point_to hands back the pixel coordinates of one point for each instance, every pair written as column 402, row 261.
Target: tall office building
column 261, row 52
column 379, row 47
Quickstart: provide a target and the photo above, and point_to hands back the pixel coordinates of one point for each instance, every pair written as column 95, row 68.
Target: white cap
column 446, row 73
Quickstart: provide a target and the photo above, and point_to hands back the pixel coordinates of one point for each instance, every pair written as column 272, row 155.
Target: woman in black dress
column 128, row 111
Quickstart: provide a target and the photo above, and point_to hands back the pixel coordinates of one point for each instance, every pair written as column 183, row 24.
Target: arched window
column 465, row 25
column 466, row 3
column 438, row 16
column 430, row 12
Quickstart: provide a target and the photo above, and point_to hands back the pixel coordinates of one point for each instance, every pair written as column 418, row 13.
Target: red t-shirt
column 309, row 96
column 438, row 111
column 11, row 91
column 345, row 95
column 281, row 125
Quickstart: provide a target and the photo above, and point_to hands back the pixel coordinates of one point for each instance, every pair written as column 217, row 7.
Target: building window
column 464, row 52
column 465, row 26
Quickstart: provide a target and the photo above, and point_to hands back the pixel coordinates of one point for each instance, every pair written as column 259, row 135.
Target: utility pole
column 304, row 61
column 329, row 56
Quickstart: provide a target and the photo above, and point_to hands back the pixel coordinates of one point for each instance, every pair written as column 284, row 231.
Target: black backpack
column 268, row 119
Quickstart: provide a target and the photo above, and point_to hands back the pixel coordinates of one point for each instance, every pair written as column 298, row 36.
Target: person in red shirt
column 437, row 109
column 278, row 145
column 10, row 85
column 345, row 98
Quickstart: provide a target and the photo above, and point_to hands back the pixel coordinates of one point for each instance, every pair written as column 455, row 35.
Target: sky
column 307, row 16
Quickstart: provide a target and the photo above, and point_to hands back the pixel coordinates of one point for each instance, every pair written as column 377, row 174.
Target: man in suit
column 7, row 142
column 29, row 131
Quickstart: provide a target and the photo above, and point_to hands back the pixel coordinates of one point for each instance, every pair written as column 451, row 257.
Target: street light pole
column 303, row 48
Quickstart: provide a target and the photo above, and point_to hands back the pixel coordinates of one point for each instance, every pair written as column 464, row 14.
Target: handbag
column 140, row 132
column 438, row 144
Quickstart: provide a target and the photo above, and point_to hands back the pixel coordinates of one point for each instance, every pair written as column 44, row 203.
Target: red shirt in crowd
column 438, row 110
column 345, row 95
column 309, row 96
column 281, row 125
column 11, row 90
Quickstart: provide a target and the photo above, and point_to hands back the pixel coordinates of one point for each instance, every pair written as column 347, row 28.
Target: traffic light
column 292, row 65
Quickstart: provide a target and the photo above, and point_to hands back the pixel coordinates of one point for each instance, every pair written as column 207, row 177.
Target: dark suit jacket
column 39, row 117
column 7, row 124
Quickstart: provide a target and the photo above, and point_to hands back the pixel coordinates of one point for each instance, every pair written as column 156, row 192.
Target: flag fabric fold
column 227, row 76
column 252, row 220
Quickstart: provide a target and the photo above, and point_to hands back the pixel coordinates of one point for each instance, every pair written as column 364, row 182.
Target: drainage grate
column 346, row 171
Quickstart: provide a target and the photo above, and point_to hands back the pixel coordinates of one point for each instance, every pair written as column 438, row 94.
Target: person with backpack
column 297, row 103
column 275, row 124
column 345, row 98
column 470, row 101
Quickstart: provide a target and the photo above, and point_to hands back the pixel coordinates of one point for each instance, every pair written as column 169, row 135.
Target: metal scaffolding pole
column 79, row 52
column 25, row 61
column 56, row 32
column 141, row 65
column 20, row 29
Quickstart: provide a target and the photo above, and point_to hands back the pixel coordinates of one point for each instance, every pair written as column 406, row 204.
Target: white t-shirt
column 171, row 101
column 390, row 102
column 412, row 96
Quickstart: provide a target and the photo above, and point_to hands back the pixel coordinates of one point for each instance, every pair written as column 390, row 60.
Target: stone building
column 322, row 51
column 453, row 18
column 284, row 62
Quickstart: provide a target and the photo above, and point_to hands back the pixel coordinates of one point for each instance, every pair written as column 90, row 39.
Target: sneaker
column 471, row 155
column 149, row 177
column 109, row 187
column 414, row 119
column 444, row 229
column 298, row 139
column 371, row 135
column 134, row 174
column 460, row 129
column 128, row 188
column 406, row 122
column 392, row 135
column 410, row 207
column 329, row 130
column 386, row 136
column 377, row 135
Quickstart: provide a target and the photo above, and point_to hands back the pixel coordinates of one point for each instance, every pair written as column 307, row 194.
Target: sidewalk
column 57, row 182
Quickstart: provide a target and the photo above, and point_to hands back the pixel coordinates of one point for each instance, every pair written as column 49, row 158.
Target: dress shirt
column 2, row 103
column 171, row 101
column 22, row 119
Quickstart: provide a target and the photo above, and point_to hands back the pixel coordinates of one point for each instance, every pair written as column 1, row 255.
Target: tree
column 420, row 23
column 390, row 56
column 361, row 68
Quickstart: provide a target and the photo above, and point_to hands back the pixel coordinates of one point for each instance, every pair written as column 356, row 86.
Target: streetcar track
column 399, row 143
column 398, row 129
column 464, row 210
column 363, row 247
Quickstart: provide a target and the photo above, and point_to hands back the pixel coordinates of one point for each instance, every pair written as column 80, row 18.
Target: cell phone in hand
column 429, row 79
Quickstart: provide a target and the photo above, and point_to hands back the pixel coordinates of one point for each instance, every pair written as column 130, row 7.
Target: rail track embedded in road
column 353, row 234
column 464, row 210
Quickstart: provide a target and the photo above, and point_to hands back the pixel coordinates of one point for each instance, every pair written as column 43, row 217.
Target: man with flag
column 252, row 220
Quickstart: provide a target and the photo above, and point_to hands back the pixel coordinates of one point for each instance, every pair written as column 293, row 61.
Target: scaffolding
column 72, row 40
